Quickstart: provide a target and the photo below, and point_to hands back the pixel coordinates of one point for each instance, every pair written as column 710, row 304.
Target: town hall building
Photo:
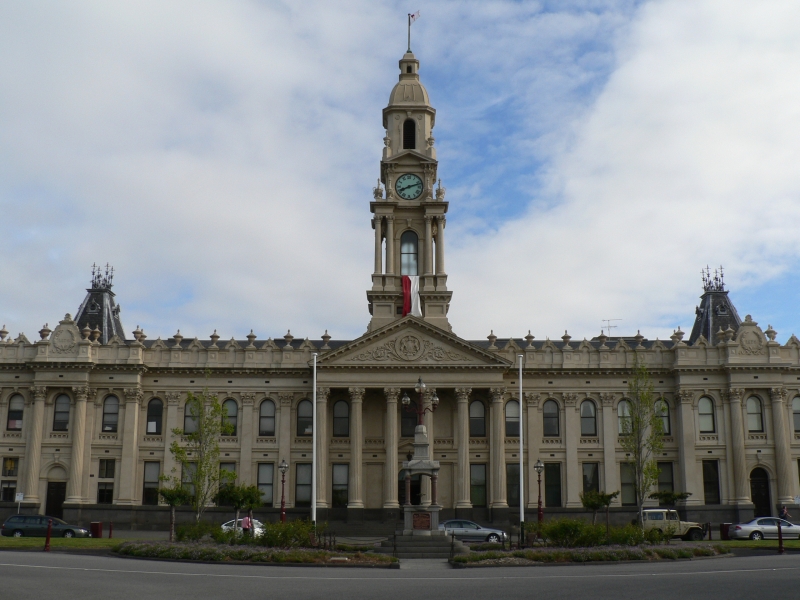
column 87, row 412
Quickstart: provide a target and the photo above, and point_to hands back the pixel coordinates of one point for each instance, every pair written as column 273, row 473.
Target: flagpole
column 409, row 32
column 314, row 449
column 521, row 454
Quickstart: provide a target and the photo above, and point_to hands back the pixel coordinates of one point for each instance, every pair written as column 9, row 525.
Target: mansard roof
column 716, row 311
column 99, row 309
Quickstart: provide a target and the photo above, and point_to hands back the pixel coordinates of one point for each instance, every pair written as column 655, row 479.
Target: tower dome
column 408, row 93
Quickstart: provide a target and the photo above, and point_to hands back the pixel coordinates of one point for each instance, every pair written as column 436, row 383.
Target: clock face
column 408, row 186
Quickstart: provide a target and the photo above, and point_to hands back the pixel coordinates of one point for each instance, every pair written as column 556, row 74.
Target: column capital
column 172, row 398
column 356, row 394
column 39, row 392
column 570, row 399
column 286, row 399
column 606, row 398
column 428, row 219
column 532, row 399
column 248, row 398
column 497, row 393
column 323, row 393
column 81, row 392
column 462, row 394
column 133, row 394
column 733, row 395
column 389, row 218
column 392, row 394
column 777, row 394
column 686, row 396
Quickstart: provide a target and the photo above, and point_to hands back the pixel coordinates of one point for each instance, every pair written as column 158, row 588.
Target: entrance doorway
column 416, row 489
column 56, row 494
column 759, row 492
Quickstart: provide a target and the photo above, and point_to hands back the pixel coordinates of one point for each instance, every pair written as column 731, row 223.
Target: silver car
column 763, row 528
column 472, row 532
column 257, row 525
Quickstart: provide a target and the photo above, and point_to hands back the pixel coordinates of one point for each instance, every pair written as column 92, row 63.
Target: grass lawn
column 760, row 544
column 10, row 543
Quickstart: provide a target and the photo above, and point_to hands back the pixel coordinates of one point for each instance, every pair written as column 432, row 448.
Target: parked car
column 36, row 526
column 763, row 528
column 258, row 526
column 666, row 520
column 469, row 531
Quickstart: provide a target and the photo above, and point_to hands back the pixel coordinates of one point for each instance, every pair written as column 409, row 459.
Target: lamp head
column 539, row 466
column 420, row 386
column 283, row 467
column 405, row 400
column 435, row 400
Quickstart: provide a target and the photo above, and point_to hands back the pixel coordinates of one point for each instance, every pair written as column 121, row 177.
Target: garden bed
column 211, row 552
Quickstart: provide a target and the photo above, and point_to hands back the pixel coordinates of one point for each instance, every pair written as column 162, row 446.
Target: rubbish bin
column 96, row 529
column 723, row 531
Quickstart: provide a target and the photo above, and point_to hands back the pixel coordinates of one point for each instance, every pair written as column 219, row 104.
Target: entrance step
column 417, row 546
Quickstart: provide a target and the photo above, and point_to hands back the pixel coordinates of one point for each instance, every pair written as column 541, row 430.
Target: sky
column 221, row 156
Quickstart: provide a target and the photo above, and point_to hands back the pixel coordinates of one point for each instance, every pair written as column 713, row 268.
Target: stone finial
column 729, row 333
column 214, row 337
column 3, row 333
column 771, row 333
column 178, row 337
column 440, row 192
column 377, row 191
column 566, row 337
column 679, row 334
column 96, row 333
column 86, row 332
column 492, row 339
column 602, row 339
column 529, row 339
column 142, row 337
column 251, row 337
column 45, row 332
column 325, row 339
column 137, row 334
column 288, row 337
column 638, row 337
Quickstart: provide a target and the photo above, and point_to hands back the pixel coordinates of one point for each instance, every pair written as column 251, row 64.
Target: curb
column 460, row 565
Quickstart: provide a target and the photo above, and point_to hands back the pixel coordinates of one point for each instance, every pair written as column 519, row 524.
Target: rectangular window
column 408, row 422
column 341, row 474
column 152, row 470
column 8, row 491
column 627, row 485
column 552, row 485
column 106, row 470
column 591, row 477
column 711, row 481
column 512, row 484
column 666, row 483
column 10, row 467
column 266, row 474
column 105, row 492
column 477, row 485
column 302, row 486
column 188, row 474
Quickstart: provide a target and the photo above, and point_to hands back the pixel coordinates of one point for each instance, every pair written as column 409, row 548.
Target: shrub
column 569, row 533
column 629, row 535
column 195, row 532
column 292, row 534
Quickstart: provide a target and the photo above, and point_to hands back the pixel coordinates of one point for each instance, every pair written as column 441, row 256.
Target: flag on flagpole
column 413, row 17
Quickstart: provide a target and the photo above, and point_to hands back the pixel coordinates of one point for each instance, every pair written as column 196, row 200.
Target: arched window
column 624, row 417
column 550, row 418
column 110, row 414
column 408, row 420
column 155, row 410
column 409, row 243
column 341, row 419
column 305, row 418
column 512, row 418
column 266, row 418
column 61, row 413
column 755, row 420
column 409, row 134
column 191, row 420
column 662, row 410
column 588, row 418
column 795, row 414
column 17, row 405
column 705, row 409
column 230, row 412
column 477, row 419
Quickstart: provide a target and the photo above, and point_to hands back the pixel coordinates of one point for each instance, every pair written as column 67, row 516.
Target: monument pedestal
column 421, row 520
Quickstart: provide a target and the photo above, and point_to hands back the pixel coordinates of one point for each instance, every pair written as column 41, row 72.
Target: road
column 42, row 576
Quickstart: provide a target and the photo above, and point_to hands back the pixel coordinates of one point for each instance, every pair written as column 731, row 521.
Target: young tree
column 642, row 434
column 252, row 499
column 594, row 501
column 239, row 497
column 197, row 450
column 174, row 495
column 669, row 498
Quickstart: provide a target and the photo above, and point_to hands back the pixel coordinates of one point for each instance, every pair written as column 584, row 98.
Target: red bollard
column 110, row 529
column 780, row 538
column 49, row 531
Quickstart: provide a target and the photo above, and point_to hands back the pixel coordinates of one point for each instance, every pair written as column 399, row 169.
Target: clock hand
column 409, row 186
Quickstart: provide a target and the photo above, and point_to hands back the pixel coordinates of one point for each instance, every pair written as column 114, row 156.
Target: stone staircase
column 422, row 546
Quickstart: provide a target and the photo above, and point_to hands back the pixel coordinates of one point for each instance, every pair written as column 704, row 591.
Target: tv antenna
column 608, row 326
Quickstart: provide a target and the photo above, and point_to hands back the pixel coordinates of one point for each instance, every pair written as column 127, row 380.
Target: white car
column 258, row 526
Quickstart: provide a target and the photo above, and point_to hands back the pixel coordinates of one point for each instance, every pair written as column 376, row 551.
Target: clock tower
column 409, row 210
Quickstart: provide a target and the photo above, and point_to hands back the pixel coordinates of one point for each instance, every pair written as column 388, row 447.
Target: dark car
column 472, row 532
column 36, row 526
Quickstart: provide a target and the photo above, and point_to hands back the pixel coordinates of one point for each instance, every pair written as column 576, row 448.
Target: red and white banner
column 411, row 303
column 413, row 17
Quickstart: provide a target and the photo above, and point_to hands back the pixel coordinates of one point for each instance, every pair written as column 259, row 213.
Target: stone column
column 75, row 482
column 497, row 449
column 246, row 426
column 323, row 442
column 462, row 439
column 376, row 221
column 427, row 420
column 356, row 484
column 390, row 469
column 285, row 446
column 572, row 435
column 533, row 438
column 440, row 246
column 130, row 447
column 782, row 451
column 171, row 422
column 740, row 479
column 33, row 459
column 390, row 245
column 87, row 445
column 688, row 456
column 428, row 245
column 610, row 431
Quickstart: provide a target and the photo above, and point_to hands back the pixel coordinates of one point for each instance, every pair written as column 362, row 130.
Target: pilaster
column 610, row 467
column 356, row 491
column 34, row 445
column 740, row 479
column 688, row 452
column 462, row 439
column 130, row 447
column 498, row 449
column 572, row 433
column 75, row 483
column 323, row 393
column 783, row 458
column 390, row 472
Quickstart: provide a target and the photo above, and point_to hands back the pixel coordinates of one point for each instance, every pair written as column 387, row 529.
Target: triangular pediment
column 411, row 343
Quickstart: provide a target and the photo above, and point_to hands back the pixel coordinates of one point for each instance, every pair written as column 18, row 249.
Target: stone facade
column 87, row 416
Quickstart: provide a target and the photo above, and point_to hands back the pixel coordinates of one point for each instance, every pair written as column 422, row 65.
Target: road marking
column 462, row 578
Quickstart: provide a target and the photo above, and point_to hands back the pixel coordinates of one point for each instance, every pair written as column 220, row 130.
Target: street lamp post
column 539, row 467
column 420, row 410
column 283, row 467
